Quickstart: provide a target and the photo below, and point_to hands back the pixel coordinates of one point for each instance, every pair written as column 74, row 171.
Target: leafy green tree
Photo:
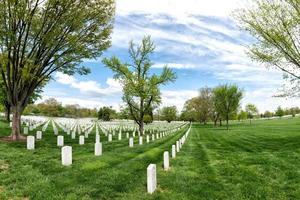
column 124, row 113
column 38, row 38
column 275, row 25
column 1, row 108
column 226, row 100
column 147, row 119
column 140, row 87
column 242, row 115
column 3, row 100
column 268, row 114
column 200, row 108
column 51, row 107
column 106, row 113
column 205, row 104
column 251, row 110
column 187, row 116
column 169, row 113
column 190, row 110
column 5, row 103
column 279, row 112
column 292, row 112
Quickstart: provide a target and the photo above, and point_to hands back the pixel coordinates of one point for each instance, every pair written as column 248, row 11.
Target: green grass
column 260, row 161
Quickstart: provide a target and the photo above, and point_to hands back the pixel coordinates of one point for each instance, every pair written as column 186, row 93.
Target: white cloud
column 174, row 65
column 178, row 8
column 177, row 97
column 264, row 99
column 90, row 87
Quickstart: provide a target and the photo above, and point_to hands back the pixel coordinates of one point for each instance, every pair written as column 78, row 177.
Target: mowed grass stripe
column 258, row 163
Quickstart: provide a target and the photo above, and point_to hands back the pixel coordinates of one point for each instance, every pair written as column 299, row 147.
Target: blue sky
column 197, row 38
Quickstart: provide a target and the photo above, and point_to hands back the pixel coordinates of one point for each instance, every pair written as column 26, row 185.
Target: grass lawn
column 260, row 161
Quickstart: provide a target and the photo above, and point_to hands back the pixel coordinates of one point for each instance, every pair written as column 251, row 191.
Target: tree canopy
column 39, row 37
column 251, row 110
column 275, row 25
column 279, row 112
column 53, row 108
column 107, row 113
column 227, row 100
column 169, row 113
column 199, row 108
column 140, row 88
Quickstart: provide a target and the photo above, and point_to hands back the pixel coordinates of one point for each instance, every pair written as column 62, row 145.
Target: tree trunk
column 227, row 119
column 141, row 127
column 7, row 112
column 220, row 122
column 16, row 122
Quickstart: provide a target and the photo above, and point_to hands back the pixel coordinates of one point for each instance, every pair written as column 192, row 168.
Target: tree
column 242, row 115
column 186, row 115
column 268, row 114
column 279, row 112
column 106, row 113
column 147, row 119
column 292, row 112
column 140, row 88
column 124, row 112
column 190, row 110
column 205, row 104
column 51, row 107
column 5, row 103
column 226, row 100
column 38, row 38
column 169, row 113
column 201, row 107
column 275, row 25
column 252, row 110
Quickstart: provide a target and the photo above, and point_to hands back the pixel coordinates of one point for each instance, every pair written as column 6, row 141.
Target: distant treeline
column 51, row 107
column 197, row 109
column 211, row 105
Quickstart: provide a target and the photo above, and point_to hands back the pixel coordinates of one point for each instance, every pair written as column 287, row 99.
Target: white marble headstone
column 98, row 149
column 26, row 130
column 81, row 140
column 166, row 160
column 60, row 140
column 173, row 151
column 30, row 142
column 131, row 142
column 97, row 138
column 66, row 155
column 140, row 140
column 151, row 178
column 39, row 135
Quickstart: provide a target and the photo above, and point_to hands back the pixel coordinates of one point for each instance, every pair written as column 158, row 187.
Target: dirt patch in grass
column 9, row 139
column 3, row 166
column 20, row 198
